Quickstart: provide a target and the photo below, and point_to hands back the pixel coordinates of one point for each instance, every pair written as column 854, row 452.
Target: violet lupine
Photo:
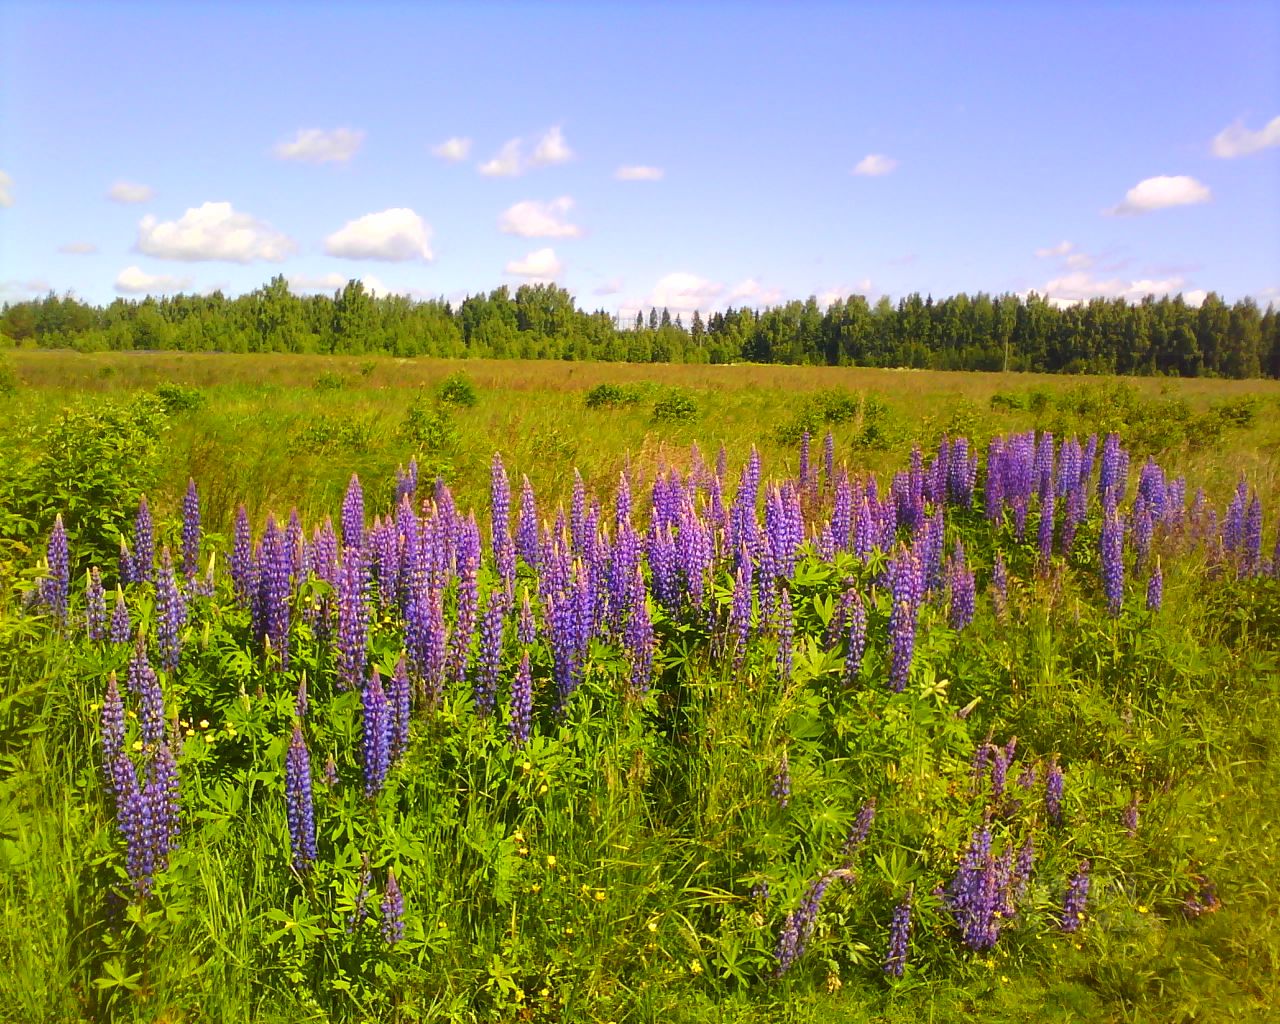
column 375, row 735
column 400, row 701
column 121, row 626
column 1053, row 792
column 857, row 638
column 274, row 590
column 799, row 926
column 1131, row 816
column 1251, row 560
column 299, row 808
column 95, row 606
column 464, row 623
column 828, row 456
column 56, row 586
column 780, row 786
column 1112, row 559
column 895, row 961
column 859, row 830
column 353, row 618
column 963, row 590
column 144, row 543
column 740, row 612
column 906, row 590
column 242, row 558
column 1073, row 904
column 1045, row 533
column 1155, row 589
column 526, row 628
column 786, row 635
column 527, row 530
column 191, row 531
column 171, row 614
column 1000, row 585
column 521, row 704
column 638, row 639
column 353, row 514
column 1023, row 866
column 999, row 772
column 978, row 895
column 485, row 689
column 114, row 760
column 392, row 911
column 144, row 684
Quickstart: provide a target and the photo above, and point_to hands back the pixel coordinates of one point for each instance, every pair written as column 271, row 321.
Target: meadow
column 748, row 692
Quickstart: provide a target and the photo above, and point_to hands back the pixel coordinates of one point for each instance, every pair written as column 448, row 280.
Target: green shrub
column 330, row 381
column 676, row 407
column 179, row 397
column 8, row 379
column 1010, row 401
column 1238, row 412
column 457, row 389
column 333, row 434
column 604, row 396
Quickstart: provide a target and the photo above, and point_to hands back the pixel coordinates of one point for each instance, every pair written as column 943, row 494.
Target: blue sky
column 691, row 156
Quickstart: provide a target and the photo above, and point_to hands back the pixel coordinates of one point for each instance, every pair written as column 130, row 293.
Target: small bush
column 676, row 407
column 1238, row 412
column 178, row 398
column 430, row 429
column 1010, row 401
column 836, row 406
column 8, row 379
column 606, row 396
column 367, row 367
column 333, row 434
column 330, row 381
column 457, row 389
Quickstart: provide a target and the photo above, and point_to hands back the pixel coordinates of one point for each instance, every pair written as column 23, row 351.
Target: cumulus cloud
column 1071, row 257
column 130, row 192
column 6, row 189
column 610, row 287
column 136, row 281
column 752, row 292
column 540, row 263
column 508, row 162
column 551, row 149
column 1061, row 249
column 639, row 172
column 397, row 234
column 316, row 146
column 1080, row 286
column 873, row 165
column 453, row 150
column 78, row 248
column 1161, row 192
column 534, row 219
column 684, row 292
column 1237, row 140
column 841, row 293
column 213, row 231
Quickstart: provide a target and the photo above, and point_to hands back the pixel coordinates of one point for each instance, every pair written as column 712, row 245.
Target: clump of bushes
column 330, row 381
column 326, row 435
column 827, row 408
column 675, row 407
column 612, row 396
column 458, row 389
column 178, row 398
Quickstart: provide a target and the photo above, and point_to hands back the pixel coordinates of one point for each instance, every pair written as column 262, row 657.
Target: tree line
column 542, row 321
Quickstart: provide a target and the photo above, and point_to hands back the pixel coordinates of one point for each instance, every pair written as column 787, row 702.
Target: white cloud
column 534, row 219
column 1161, row 192
column 1079, row 286
column 396, row 234
column 1079, row 261
column 754, row 293
column 551, row 149
column 1236, row 140
column 610, row 287
column 1061, row 249
column 541, row 263
column 19, row 291
column 316, row 146
column 830, row 295
column 78, row 248
column 453, row 150
column 873, row 165
column 1195, row 297
column 684, row 292
column 6, row 189
column 135, row 280
column 507, row 164
column 639, row 172
column 213, row 231
column 130, row 192
column 310, row 284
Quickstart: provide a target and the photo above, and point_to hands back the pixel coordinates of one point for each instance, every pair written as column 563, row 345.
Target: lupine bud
column 857, row 638
column 57, row 588
column 1073, row 904
column 375, row 735
column 780, row 788
column 191, row 531
column 144, row 543
column 400, row 699
column 521, row 704
column 895, row 960
column 392, row 911
column 353, row 514
column 121, row 627
column 95, row 606
column 1053, row 792
column 860, row 829
column 171, row 614
column 298, row 801
column 1155, row 589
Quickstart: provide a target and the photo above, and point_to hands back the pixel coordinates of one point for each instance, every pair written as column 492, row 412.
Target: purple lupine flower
column 740, row 613
column 487, row 665
column 113, row 738
column 828, row 456
column 161, row 794
column 906, row 590
column 353, row 514
column 1112, row 550
column 1155, row 589
column 360, row 911
column 638, row 640
column 121, row 627
column 125, row 566
column 1114, row 462
column 1131, row 816
column 1023, row 866
column 1053, row 792
column 353, row 618
column 780, row 786
column 1143, row 524
column 95, row 606
column 526, row 630
column 962, row 588
column 993, row 494
column 1073, row 904
column 527, row 531
column 1000, row 585
column 1045, row 534
column 400, row 701
column 464, row 623
column 859, row 830
column 1251, row 561
column 895, row 960
column 392, row 911
column 786, row 635
column 56, row 589
column 978, row 894
column 521, row 704
column 274, row 590
column 191, row 531
column 144, row 543
column 298, row 801
column 171, row 614
column 145, row 686
column 999, row 771
column 1027, row 777
column 799, row 926
column 375, row 736
column 407, row 482
column 857, row 622
column 427, row 641
column 242, row 558
column 134, row 820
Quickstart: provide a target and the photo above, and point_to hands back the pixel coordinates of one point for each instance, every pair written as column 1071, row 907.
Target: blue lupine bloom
column 121, row 627
column 1155, row 589
column 740, row 612
column 485, row 689
column 95, row 606
column 400, row 700
column 242, row 558
column 799, row 926
column 962, row 588
column 860, row 829
column 895, row 961
column 144, row 543
column 353, row 514
column 521, row 704
column 857, row 646
column 56, row 589
column 298, row 801
column 353, row 618
column 1251, row 560
column 1131, row 816
column 780, row 787
column 1073, row 905
column 375, row 735
column 1053, row 792
column 392, row 911
column 978, row 896
column 145, row 686
column 113, row 737
column 171, row 614
column 191, row 531
column 638, row 638
column 1112, row 551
